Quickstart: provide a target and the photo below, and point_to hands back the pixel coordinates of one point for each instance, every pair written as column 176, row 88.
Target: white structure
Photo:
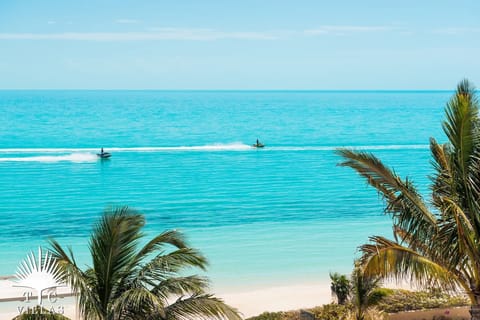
column 39, row 275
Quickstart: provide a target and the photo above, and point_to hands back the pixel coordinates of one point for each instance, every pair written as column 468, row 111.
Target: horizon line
column 229, row 90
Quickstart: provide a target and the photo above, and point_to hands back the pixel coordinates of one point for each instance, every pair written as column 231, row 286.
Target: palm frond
column 440, row 155
column 201, row 307
column 405, row 238
column 164, row 265
column 437, row 247
column 461, row 129
column 403, row 200
column 170, row 237
column 127, row 283
column 340, row 287
column 363, row 287
column 443, row 183
column 80, row 282
column 113, row 245
column 138, row 302
column 386, row 259
column 180, row 286
column 461, row 115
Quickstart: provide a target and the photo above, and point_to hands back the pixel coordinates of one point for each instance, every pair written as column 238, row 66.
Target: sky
column 239, row 45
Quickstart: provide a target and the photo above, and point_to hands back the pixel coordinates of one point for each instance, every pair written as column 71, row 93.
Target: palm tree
column 340, row 287
column 435, row 243
column 128, row 282
column 363, row 295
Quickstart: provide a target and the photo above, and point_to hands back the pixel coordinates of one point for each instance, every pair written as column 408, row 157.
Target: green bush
column 389, row 301
column 404, row 300
column 379, row 294
column 333, row 311
column 290, row 315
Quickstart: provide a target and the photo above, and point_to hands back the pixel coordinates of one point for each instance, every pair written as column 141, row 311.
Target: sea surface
column 275, row 216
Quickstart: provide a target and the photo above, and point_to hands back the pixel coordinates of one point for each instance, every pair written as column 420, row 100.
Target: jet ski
column 258, row 145
column 104, row 155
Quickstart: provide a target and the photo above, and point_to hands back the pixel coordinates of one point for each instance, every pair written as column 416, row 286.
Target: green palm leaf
column 462, row 114
column 180, row 286
column 201, row 307
column 129, row 283
column 436, row 244
column 403, row 201
column 387, row 258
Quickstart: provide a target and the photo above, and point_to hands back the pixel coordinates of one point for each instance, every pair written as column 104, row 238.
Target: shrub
column 333, row 311
column 404, row 300
column 389, row 300
column 290, row 315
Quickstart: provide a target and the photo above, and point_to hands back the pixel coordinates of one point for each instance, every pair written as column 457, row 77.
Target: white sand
column 281, row 298
column 248, row 302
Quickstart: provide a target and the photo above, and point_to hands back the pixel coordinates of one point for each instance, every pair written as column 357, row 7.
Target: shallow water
column 184, row 158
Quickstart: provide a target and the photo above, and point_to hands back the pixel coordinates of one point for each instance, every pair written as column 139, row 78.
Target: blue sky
column 262, row 44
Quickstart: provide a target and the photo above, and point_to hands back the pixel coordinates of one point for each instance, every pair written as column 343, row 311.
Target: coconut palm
column 129, row 282
column 435, row 243
column 340, row 287
column 363, row 294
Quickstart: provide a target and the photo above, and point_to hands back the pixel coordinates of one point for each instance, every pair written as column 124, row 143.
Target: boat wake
column 73, row 157
column 89, row 154
column 210, row 147
column 359, row 148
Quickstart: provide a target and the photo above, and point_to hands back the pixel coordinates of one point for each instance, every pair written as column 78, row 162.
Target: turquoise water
column 273, row 216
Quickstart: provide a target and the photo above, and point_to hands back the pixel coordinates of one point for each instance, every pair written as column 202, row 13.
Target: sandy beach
column 281, row 298
column 248, row 302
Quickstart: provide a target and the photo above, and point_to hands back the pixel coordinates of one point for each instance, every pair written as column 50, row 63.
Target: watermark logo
column 42, row 275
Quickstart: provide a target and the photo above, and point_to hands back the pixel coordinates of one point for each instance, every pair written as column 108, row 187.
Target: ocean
column 274, row 216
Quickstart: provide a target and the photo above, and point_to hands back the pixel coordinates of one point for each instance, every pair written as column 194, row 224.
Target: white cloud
column 342, row 30
column 155, row 34
column 210, row 34
column 195, row 34
column 127, row 21
column 456, row 31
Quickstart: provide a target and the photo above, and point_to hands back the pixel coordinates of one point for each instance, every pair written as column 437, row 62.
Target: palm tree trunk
column 475, row 312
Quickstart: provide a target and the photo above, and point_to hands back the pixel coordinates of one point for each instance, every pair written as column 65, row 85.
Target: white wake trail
column 89, row 154
column 73, row 157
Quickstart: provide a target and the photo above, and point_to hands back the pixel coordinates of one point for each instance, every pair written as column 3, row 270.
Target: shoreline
column 250, row 302
column 278, row 298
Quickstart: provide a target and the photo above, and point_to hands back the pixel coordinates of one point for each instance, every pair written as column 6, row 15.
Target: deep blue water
column 282, row 214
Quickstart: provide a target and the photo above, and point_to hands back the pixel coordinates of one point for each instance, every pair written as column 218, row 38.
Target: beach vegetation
column 387, row 302
column 435, row 243
column 364, row 295
column 334, row 311
column 281, row 315
column 360, row 292
column 399, row 300
column 340, row 287
column 127, row 281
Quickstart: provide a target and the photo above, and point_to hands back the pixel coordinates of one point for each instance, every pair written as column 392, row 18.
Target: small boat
column 104, row 155
column 258, row 145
